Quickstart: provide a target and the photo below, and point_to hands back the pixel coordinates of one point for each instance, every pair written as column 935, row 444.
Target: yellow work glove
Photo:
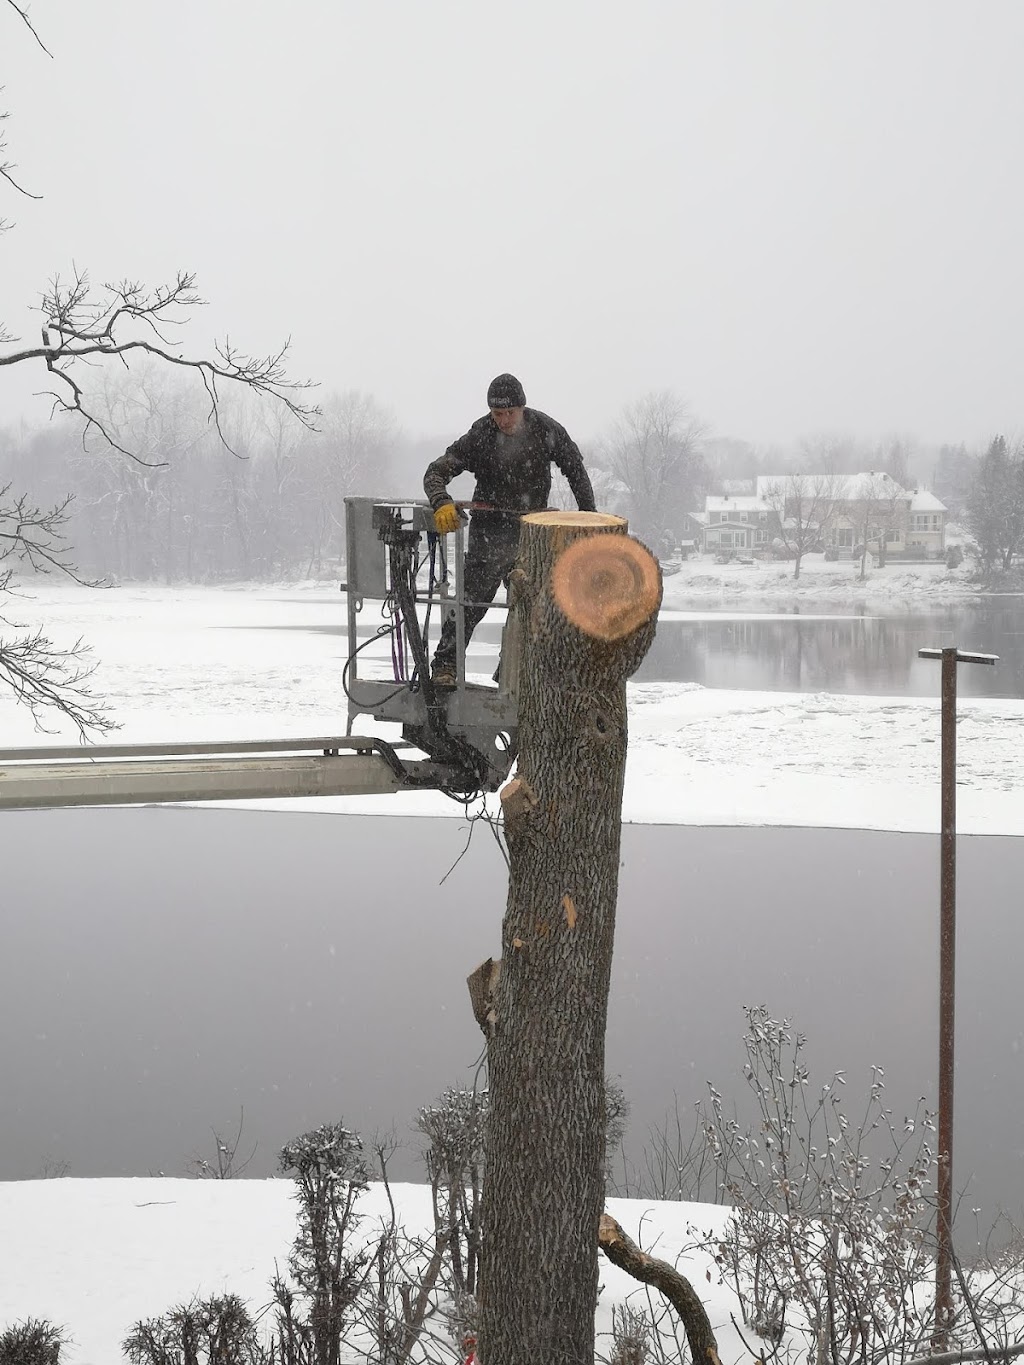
column 446, row 518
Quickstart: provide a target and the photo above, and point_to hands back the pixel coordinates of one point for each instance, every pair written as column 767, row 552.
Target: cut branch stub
column 606, row 586
column 622, row 1251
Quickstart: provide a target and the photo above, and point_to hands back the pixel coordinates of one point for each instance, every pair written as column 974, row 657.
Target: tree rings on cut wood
column 606, row 585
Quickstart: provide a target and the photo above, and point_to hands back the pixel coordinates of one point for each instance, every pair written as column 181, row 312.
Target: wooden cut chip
column 569, row 906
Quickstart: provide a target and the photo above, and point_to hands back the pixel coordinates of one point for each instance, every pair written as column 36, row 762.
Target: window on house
column 844, row 537
column 761, row 537
column 723, row 516
column 725, row 538
column 891, row 536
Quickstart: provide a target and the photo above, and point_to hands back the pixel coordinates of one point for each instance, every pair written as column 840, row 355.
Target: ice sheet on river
column 265, row 662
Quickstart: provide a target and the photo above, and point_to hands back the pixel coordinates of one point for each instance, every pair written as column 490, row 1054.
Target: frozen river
column 162, row 969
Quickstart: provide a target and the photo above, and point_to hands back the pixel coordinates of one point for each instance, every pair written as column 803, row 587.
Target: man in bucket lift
column 510, row 451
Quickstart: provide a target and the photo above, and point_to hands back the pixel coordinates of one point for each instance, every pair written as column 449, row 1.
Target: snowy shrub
column 32, row 1342
column 678, row 1162
column 225, row 1164
column 214, row 1331
column 330, row 1174
column 454, row 1157
column 828, row 1235
column 631, row 1336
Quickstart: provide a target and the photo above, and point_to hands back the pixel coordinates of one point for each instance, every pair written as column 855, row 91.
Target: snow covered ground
column 96, row 1256
column 702, row 580
column 265, row 662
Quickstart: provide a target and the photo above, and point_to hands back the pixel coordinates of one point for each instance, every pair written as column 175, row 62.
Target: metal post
column 950, row 658
column 460, row 609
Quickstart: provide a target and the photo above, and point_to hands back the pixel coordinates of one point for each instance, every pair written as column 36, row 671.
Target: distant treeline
column 177, row 503
column 266, row 502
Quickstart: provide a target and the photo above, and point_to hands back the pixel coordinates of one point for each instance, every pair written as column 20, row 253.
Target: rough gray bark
column 544, row 1173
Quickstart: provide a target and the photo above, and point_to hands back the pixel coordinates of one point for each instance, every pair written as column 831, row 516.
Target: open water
column 161, row 969
column 819, row 647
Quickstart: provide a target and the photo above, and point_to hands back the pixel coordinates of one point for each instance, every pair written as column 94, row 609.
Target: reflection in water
column 867, row 654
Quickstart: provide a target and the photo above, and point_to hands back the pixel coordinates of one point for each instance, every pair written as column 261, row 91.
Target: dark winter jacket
column 517, row 482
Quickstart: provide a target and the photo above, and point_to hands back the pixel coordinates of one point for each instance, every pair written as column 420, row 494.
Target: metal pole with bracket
column 950, row 658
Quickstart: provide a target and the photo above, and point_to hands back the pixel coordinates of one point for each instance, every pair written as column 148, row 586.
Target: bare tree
column 353, row 445
column 83, row 325
column 654, row 451
column 802, row 506
column 895, row 457
column 877, row 505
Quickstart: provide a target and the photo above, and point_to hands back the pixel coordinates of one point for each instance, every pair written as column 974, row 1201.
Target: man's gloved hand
column 446, row 518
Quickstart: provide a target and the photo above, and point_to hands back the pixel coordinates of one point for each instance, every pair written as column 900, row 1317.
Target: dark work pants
column 490, row 557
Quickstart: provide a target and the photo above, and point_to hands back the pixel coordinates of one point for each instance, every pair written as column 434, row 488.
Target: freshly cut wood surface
column 556, row 517
column 606, row 586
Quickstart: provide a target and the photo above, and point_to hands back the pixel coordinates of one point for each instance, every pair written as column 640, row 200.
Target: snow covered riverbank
column 96, row 1256
column 258, row 662
column 917, row 585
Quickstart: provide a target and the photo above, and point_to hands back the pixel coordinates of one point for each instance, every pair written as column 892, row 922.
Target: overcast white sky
column 799, row 214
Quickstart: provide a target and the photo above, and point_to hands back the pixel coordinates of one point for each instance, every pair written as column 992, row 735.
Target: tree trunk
column 586, row 597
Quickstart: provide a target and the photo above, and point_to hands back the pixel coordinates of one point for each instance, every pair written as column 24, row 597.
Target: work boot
column 443, row 677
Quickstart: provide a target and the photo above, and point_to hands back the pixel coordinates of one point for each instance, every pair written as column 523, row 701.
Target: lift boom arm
column 119, row 774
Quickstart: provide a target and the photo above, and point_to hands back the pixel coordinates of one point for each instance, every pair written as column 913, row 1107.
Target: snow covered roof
column 745, row 502
column 868, row 484
column 923, row 501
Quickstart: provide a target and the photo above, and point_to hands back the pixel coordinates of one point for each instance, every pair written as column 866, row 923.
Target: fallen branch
column 622, row 1251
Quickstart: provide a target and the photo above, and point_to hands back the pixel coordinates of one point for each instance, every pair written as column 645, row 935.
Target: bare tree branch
column 49, row 677
column 43, row 675
column 23, row 15
column 979, row 1353
column 83, row 325
column 7, row 167
column 622, row 1251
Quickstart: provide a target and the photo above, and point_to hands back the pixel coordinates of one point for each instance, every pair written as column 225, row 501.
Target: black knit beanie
column 506, row 392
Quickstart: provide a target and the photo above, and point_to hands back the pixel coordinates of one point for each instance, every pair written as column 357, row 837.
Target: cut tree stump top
column 597, row 520
column 606, row 585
